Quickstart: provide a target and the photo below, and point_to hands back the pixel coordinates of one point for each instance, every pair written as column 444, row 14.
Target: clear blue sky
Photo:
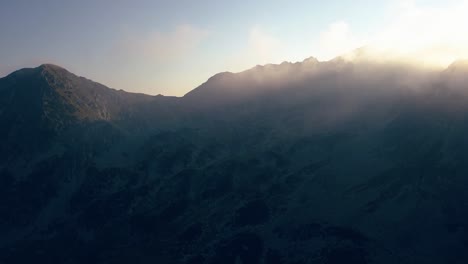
column 170, row 47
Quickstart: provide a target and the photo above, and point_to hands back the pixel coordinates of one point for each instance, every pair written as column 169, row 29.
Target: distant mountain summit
column 458, row 65
column 227, row 88
column 53, row 95
column 37, row 104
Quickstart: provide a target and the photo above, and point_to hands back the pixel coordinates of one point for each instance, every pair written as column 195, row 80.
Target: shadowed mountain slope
column 309, row 162
column 41, row 103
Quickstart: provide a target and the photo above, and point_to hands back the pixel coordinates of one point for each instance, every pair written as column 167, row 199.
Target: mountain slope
column 311, row 162
column 39, row 104
column 62, row 97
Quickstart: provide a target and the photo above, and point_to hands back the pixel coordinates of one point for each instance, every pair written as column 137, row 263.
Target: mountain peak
column 52, row 69
column 310, row 60
column 458, row 65
column 61, row 97
column 38, row 72
column 50, row 66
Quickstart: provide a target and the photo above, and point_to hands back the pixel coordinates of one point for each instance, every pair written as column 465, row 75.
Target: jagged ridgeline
column 309, row 162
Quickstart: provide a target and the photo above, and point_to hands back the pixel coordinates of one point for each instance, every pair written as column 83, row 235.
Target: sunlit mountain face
column 341, row 161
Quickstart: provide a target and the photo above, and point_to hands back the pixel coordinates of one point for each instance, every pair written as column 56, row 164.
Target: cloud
column 263, row 46
column 151, row 61
column 336, row 40
column 162, row 47
column 432, row 35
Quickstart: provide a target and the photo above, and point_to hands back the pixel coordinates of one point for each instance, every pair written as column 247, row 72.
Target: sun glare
column 426, row 36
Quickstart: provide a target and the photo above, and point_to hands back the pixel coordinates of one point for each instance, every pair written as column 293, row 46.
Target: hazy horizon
column 358, row 56
column 170, row 48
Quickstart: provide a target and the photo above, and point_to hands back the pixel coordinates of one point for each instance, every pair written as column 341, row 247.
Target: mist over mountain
column 343, row 161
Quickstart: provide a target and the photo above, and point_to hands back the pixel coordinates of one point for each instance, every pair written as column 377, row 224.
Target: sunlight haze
column 139, row 47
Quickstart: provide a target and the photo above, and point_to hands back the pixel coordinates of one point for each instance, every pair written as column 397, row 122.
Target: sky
column 171, row 47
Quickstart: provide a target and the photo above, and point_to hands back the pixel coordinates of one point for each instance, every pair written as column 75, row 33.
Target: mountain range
column 309, row 162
